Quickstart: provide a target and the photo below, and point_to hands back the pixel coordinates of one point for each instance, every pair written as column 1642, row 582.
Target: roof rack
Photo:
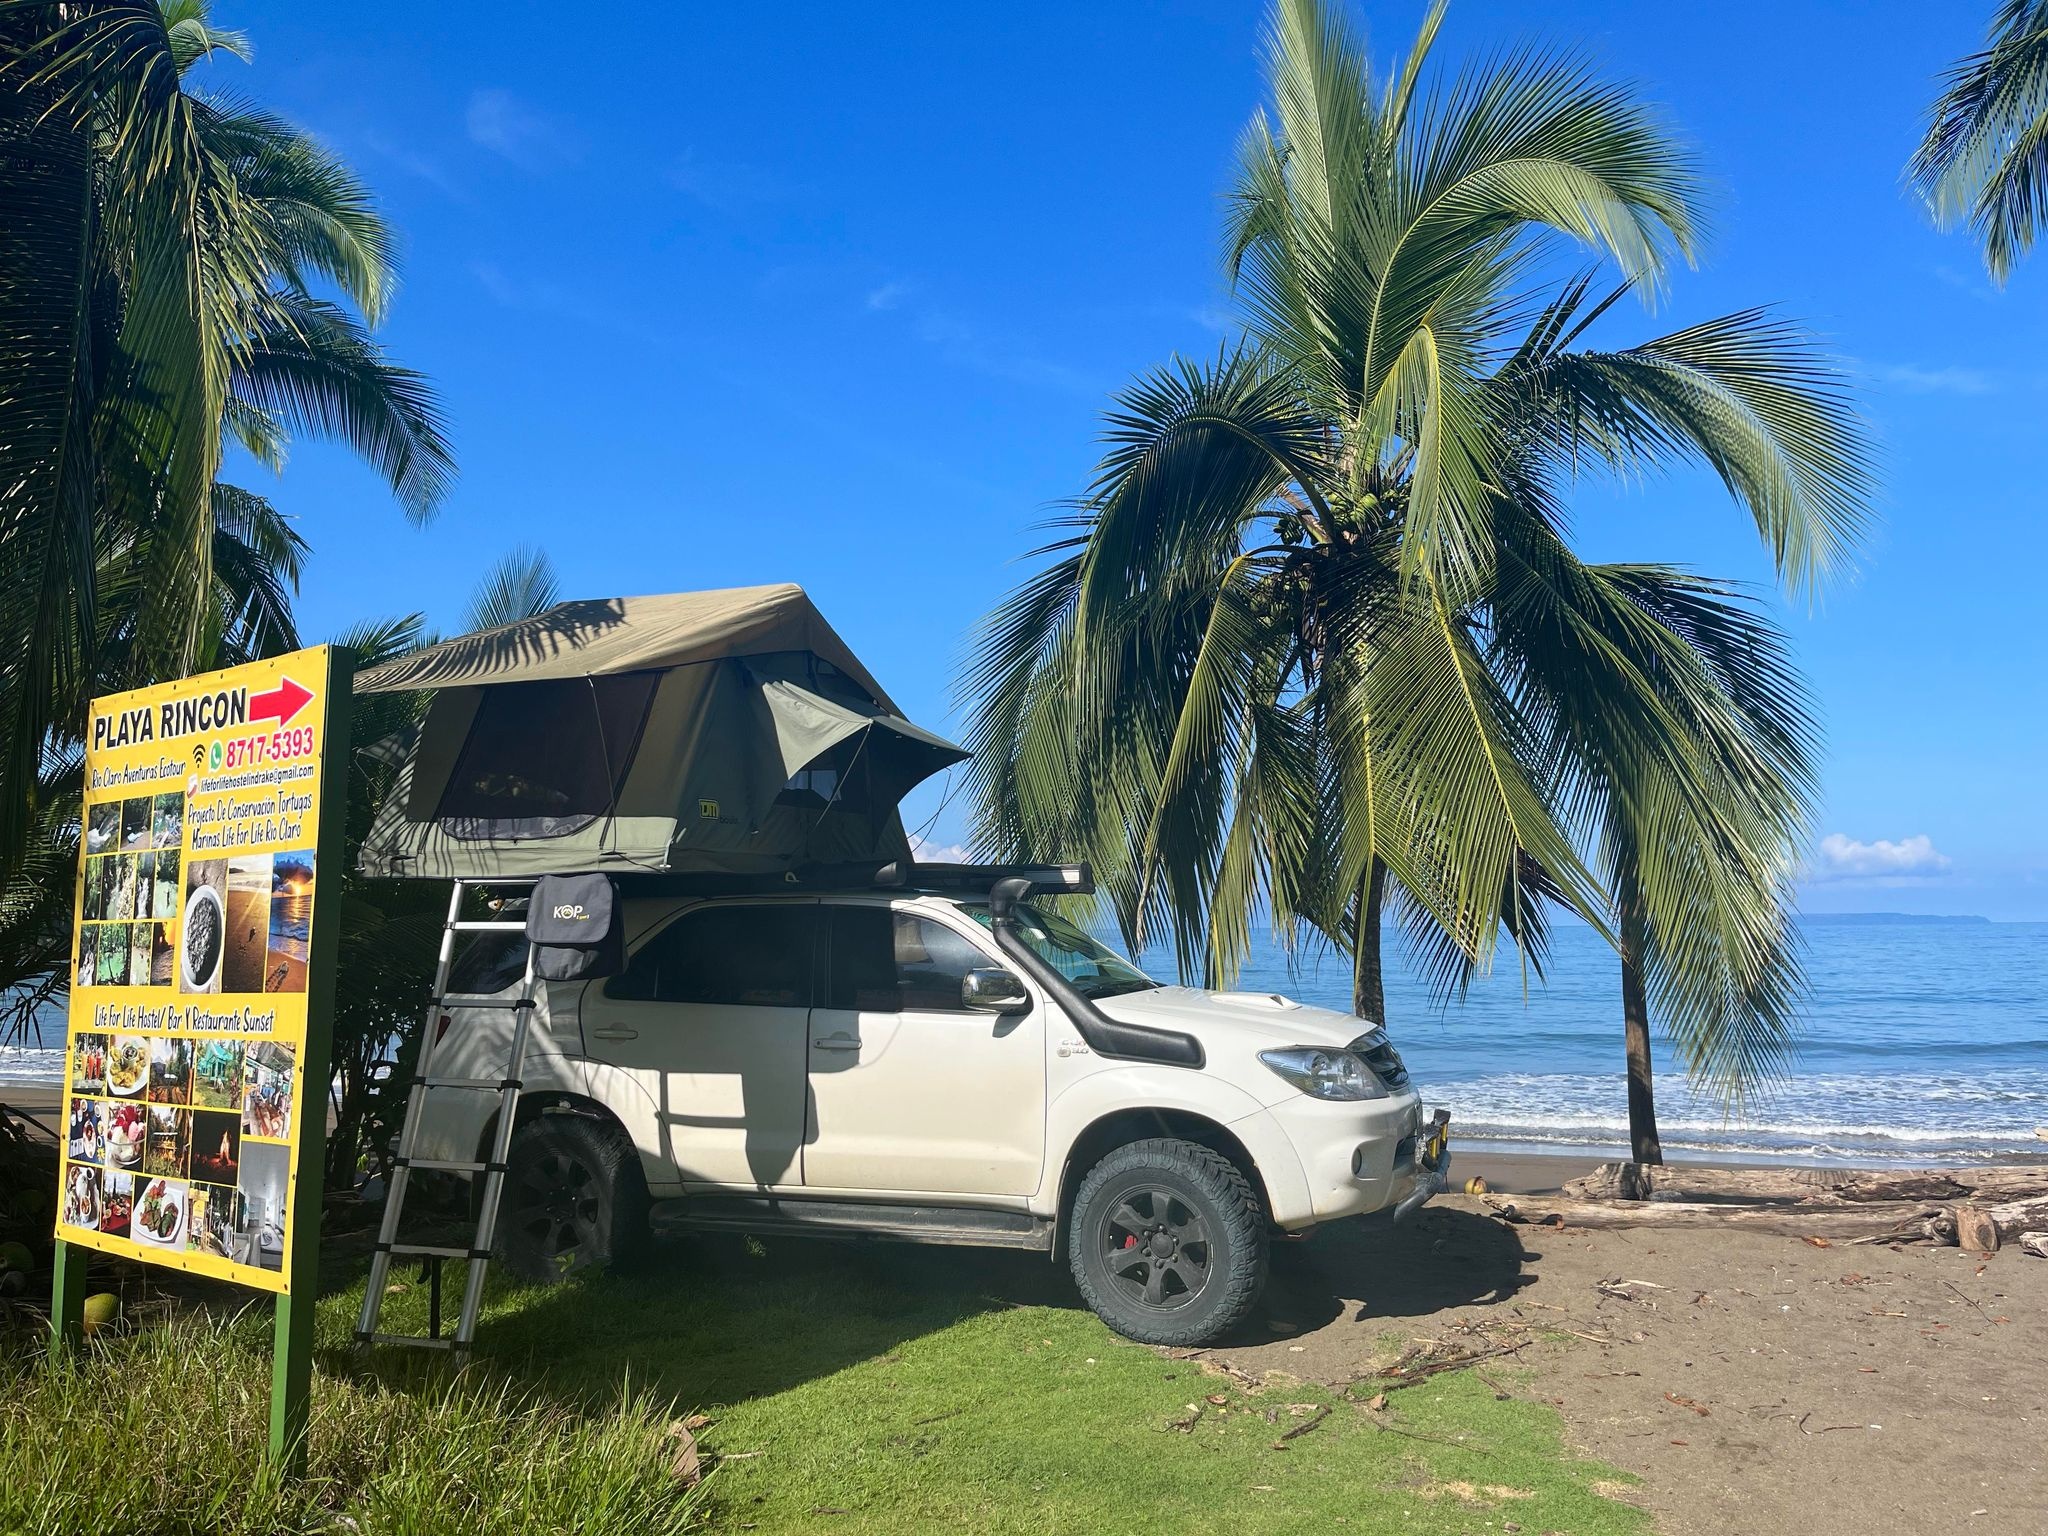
column 1049, row 879
column 895, row 875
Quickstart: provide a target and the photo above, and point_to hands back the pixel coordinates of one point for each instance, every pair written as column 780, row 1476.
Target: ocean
column 1924, row 1041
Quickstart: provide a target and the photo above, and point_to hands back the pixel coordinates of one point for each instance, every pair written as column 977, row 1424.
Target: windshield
column 1094, row 969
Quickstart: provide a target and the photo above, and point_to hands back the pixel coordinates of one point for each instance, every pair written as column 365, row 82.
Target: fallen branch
column 1401, row 1374
column 1857, row 1186
column 1825, row 1428
column 1906, row 1219
column 1322, row 1413
column 1969, row 1298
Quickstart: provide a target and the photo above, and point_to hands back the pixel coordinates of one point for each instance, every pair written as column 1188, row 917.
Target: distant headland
column 1881, row 919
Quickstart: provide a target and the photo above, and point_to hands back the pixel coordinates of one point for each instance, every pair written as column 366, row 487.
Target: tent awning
column 601, row 636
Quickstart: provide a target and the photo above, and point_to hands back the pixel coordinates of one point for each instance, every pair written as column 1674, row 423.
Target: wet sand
column 46, row 1104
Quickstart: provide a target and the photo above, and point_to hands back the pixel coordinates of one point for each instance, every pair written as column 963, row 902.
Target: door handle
column 615, row 1032
column 837, row 1043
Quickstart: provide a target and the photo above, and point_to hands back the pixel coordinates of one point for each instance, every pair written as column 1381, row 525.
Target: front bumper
column 1354, row 1159
column 1432, row 1166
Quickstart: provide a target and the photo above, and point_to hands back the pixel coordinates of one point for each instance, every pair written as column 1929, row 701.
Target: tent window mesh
column 544, row 759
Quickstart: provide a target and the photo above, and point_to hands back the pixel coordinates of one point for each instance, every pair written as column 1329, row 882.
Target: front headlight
column 1324, row 1074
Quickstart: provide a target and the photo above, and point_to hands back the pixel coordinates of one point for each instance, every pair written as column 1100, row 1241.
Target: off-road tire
column 575, row 1200
column 1175, row 1188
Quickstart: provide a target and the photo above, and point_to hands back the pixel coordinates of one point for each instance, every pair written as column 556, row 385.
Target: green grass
column 900, row 1389
column 851, row 1390
column 163, row 1432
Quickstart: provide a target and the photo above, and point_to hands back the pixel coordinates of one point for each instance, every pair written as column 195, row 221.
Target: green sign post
column 200, row 1039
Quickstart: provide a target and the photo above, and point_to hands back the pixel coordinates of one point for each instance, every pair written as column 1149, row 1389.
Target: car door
column 711, row 1014
column 911, row 1092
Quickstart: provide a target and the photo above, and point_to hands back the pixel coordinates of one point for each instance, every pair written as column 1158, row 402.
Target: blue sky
column 835, row 294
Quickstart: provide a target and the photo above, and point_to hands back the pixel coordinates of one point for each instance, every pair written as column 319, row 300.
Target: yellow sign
column 185, row 1104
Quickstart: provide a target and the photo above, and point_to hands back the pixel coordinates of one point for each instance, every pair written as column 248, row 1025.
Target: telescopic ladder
column 406, row 1160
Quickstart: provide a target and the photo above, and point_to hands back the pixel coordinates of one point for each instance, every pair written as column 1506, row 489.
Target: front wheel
column 575, row 1199
column 1168, row 1243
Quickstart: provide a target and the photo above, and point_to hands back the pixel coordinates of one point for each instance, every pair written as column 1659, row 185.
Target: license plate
column 1439, row 1143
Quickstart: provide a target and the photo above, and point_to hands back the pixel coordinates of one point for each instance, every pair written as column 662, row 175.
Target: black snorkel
column 1104, row 1036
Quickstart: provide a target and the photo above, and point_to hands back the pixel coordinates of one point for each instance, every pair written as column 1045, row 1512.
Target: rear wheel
column 1168, row 1243
column 575, row 1199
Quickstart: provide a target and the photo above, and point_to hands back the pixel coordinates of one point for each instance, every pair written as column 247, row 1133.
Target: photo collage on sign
column 130, row 904
column 247, row 923
column 179, row 1142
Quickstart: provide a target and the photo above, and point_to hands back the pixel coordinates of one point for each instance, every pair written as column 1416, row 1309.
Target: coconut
column 102, row 1310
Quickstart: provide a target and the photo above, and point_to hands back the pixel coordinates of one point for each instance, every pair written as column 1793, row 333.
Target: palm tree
column 391, row 929
column 1984, row 160
column 1315, row 642
column 158, row 269
column 257, row 559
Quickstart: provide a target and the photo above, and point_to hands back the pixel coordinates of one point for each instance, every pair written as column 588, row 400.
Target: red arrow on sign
column 281, row 703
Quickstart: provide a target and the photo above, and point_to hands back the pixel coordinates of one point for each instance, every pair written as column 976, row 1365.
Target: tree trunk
column 1644, row 1146
column 1368, row 983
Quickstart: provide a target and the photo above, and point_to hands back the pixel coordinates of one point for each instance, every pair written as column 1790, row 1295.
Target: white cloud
column 413, row 163
column 1917, row 379
column 888, row 296
column 531, row 139
column 939, row 853
column 1845, row 858
column 542, row 297
column 729, row 186
column 998, row 354
column 1972, row 283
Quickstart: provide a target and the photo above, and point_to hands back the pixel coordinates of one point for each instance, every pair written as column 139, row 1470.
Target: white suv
column 936, row 1067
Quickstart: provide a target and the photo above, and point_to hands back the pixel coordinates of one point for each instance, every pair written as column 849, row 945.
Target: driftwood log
column 2012, row 1219
column 1679, row 1181
column 1980, row 1207
column 1905, row 1219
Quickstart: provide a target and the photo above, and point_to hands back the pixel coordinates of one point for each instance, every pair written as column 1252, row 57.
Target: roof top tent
column 717, row 733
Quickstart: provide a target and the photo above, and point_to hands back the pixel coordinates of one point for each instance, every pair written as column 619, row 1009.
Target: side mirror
column 990, row 990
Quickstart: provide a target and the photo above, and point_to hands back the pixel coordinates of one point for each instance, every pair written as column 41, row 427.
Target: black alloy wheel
column 1167, row 1242
column 575, row 1199
column 1155, row 1248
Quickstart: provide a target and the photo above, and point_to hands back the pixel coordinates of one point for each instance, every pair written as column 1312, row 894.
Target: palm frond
column 314, row 368
column 520, row 585
column 1984, row 158
column 1748, row 395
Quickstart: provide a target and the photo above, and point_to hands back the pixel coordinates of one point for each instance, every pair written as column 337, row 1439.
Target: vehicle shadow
column 711, row 1320
column 1374, row 1271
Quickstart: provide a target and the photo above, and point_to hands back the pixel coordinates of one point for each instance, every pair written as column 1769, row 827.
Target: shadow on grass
column 715, row 1320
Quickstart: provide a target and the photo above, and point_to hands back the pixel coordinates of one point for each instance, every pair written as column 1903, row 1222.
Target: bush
column 163, row 1434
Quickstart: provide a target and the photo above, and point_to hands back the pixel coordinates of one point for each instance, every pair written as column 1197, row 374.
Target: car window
column 747, row 956
column 896, row 962
column 1095, row 969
